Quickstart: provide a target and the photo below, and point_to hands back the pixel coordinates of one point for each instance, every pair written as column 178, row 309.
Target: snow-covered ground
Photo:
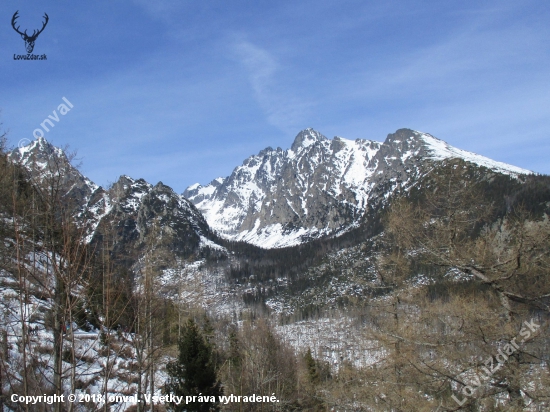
column 99, row 367
column 334, row 340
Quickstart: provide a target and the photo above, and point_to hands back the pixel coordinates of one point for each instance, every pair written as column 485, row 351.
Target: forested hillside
column 437, row 299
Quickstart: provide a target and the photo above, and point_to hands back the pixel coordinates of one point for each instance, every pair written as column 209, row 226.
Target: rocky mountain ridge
column 125, row 213
column 319, row 186
column 319, row 293
column 276, row 198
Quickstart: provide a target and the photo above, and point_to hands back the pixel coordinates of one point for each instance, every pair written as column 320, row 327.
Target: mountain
column 124, row 212
column 463, row 229
column 50, row 166
column 140, row 212
column 320, row 186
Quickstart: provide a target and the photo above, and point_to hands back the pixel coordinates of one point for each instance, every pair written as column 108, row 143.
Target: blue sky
column 183, row 91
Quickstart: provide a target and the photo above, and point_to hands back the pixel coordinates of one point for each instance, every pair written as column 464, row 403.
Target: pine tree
column 311, row 366
column 193, row 372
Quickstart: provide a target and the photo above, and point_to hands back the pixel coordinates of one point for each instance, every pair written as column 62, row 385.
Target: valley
column 336, row 274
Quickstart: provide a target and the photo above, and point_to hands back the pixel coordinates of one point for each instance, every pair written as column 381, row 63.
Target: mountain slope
column 319, row 186
column 123, row 213
column 139, row 212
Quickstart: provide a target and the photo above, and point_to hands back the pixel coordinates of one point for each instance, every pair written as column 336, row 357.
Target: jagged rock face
column 319, row 186
column 306, row 191
column 142, row 214
column 276, row 198
column 50, row 170
column 125, row 214
column 49, row 166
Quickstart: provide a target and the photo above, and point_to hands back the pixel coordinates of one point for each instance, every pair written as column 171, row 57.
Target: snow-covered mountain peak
column 440, row 150
column 47, row 162
column 412, row 143
column 39, row 144
column 126, row 184
column 127, row 193
column 200, row 192
column 306, row 138
column 125, row 211
column 319, row 186
column 264, row 200
column 37, row 154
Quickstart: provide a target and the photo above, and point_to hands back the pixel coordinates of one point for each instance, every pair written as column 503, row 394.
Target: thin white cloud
column 480, row 87
column 260, row 64
column 283, row 108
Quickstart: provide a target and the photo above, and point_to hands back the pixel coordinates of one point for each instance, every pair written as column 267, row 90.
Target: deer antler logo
column 29, row 40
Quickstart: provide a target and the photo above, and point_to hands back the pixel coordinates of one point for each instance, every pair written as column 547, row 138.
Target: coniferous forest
column 438, row 300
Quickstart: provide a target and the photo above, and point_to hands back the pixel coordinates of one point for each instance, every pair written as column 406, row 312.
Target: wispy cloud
column 171, row 78
column 283, row 108
column 484, row 78
column 260, row 64
column 467, row 57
